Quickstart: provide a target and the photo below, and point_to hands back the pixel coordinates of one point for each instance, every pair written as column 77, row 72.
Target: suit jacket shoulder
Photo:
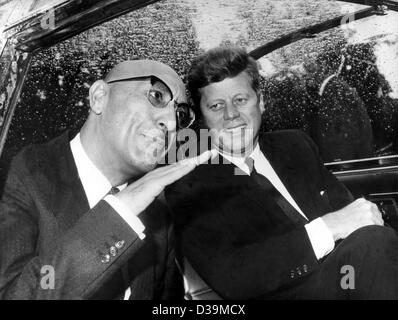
column 46, row 220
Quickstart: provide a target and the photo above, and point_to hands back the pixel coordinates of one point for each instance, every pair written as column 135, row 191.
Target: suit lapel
column 284, row 165
column 291, row 175
column 223, row 174
column 69, row 199
column 224, row 183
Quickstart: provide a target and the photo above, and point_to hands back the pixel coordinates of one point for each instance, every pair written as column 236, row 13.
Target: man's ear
column 99, row 92
column 261, row 103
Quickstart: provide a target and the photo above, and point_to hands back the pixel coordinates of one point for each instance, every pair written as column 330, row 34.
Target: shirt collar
column 240, row 161
column 95, row 184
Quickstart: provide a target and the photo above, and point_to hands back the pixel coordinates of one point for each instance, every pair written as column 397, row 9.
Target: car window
column 340, row 86
column 343, row 93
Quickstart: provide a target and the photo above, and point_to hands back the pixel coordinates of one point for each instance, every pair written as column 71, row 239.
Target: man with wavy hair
column 268, row 220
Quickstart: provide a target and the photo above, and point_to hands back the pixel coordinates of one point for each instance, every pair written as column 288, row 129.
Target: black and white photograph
column 185, row 150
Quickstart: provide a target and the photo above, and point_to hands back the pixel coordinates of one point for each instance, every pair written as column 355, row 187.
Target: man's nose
column 230, row 112
column 166, row 118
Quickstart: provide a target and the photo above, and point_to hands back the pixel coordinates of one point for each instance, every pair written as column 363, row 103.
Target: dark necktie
column 273, row 194
column 113, row 191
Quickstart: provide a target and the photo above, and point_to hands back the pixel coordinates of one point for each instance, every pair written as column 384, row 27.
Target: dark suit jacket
column 234, row 240
column 45, row 219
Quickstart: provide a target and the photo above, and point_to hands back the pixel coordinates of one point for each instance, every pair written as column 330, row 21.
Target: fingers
column 176, row 173
column 378, row 220
column 195, row 161
column 370, row 210
column 375, row 209
column 183, row 167
column 202, row 158
column 377, row 214
column 169, row 174
column 360, row 201
column 189, row 162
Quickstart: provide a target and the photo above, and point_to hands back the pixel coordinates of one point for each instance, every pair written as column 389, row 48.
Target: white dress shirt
column 96, row 187
column 319, row 234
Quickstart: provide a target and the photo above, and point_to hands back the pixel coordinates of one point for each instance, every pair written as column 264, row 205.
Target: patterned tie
column 113, row 191
column 273, row 194
column 250, row 163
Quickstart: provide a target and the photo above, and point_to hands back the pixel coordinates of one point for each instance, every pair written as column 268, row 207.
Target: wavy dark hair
column 218, row 64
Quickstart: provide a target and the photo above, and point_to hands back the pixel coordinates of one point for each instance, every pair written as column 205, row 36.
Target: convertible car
column 328, row 68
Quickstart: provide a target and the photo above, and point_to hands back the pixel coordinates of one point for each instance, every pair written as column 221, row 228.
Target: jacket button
column 305, row 268
column 105, row 258
column 298, row 271
column 119, row 244
column 113, row 251
column 292, row 274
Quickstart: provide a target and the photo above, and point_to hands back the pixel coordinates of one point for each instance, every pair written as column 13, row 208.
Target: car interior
column 329, row 68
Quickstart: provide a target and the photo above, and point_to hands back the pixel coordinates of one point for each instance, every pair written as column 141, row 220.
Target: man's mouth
column 155, row 144
column 235, row 128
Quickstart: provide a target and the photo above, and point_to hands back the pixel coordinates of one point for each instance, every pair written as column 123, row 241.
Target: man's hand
column 357, row 214
column 140, row 194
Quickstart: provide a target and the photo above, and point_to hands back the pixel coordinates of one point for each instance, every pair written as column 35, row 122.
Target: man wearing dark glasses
column 80, row 218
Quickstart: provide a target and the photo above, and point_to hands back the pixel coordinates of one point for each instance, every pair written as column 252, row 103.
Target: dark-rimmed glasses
column 184, row 113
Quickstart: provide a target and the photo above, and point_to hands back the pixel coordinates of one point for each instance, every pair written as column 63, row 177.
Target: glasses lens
column 185, row 115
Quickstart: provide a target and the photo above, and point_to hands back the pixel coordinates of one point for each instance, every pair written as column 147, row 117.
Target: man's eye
column 217, row 106
column 156, row 95
column 240, row 101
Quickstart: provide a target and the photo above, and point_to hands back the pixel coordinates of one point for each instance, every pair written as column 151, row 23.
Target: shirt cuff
column 132, row 220
column 321, row 238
